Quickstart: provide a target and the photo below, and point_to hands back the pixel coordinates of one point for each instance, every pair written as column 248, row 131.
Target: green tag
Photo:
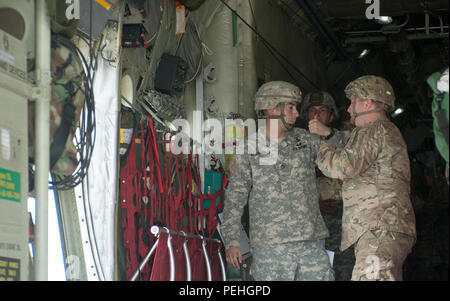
column 10, row 185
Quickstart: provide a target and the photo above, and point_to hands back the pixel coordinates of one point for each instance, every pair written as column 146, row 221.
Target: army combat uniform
column 287, row 231
column 378, row 216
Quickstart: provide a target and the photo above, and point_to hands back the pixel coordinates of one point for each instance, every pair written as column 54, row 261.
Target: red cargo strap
column 148, row 197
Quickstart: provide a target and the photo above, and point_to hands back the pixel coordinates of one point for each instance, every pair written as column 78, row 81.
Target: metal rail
column 208, row 263
column 187, row 258
column 42, row 96
column 155, row 230
column 145, row 261
column 222, row 265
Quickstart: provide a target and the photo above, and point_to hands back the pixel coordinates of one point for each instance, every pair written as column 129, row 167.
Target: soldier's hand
column 317, row 127
column 327, row 206
column 234, row 257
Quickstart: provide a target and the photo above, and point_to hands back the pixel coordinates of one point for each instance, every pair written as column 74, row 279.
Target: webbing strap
column 152, row 136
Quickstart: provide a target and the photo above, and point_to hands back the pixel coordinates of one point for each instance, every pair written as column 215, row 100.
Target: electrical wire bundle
column 84, row 137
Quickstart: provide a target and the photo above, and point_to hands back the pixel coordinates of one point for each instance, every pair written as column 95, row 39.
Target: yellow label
column 105, row 4
column 121, row 136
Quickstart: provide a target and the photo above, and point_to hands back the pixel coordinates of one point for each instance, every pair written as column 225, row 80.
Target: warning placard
column 9, row 185
column 9, row 269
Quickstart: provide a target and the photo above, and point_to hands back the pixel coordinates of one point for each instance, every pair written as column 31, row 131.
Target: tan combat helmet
column 371, row 87
column 273, row 93
column 319, row 98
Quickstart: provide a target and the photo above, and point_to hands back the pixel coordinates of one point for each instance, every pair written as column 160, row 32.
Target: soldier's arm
column 236, row 196
column 339, row 138
column 358, row 154
column 336, row 137
column 330, row 134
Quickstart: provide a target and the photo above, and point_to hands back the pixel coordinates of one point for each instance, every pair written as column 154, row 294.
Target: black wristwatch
column 332, row 132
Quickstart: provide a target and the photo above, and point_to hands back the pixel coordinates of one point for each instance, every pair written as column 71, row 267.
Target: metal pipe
column 172, row 259
column 144, row 262
column 441, row 24
column 156, row 229
column 349, row 10
column 42, row 95
column 366, row 32
column 222, row 265
column 208, row 264
column 383, row 39
column 188, row 260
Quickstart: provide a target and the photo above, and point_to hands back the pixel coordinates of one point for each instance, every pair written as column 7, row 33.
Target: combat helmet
column 270, row 94
column 319, row 98
column 372, row 87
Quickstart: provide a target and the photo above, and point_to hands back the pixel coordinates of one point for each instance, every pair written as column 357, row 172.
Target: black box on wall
column 170, row 75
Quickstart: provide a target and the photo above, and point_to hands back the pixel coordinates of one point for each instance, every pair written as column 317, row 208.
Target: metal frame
column 155, row 230
column 42, row 95
column 208, row 263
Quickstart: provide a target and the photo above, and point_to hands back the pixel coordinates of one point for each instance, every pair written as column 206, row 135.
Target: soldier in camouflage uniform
column 67, row 102
column 378, row 217
column 287, row 231
column 320, row 110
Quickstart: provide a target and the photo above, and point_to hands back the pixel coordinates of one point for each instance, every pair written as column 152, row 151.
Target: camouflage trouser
column 343, row 260
column 300, row 261
column 380, row 255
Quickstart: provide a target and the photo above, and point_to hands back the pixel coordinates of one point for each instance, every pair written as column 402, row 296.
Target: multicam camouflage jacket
column 283, row 196
column 329, row 189
column 374, row 168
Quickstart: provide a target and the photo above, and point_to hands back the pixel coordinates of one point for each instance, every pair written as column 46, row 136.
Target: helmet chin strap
column 288, row 126
column 356, row 115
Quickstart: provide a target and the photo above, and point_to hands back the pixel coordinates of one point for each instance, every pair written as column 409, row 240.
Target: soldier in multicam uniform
column 287, row 231
column 378, row 217
column 320, row 110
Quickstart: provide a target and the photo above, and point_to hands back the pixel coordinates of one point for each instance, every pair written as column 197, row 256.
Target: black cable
column 272, row 47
